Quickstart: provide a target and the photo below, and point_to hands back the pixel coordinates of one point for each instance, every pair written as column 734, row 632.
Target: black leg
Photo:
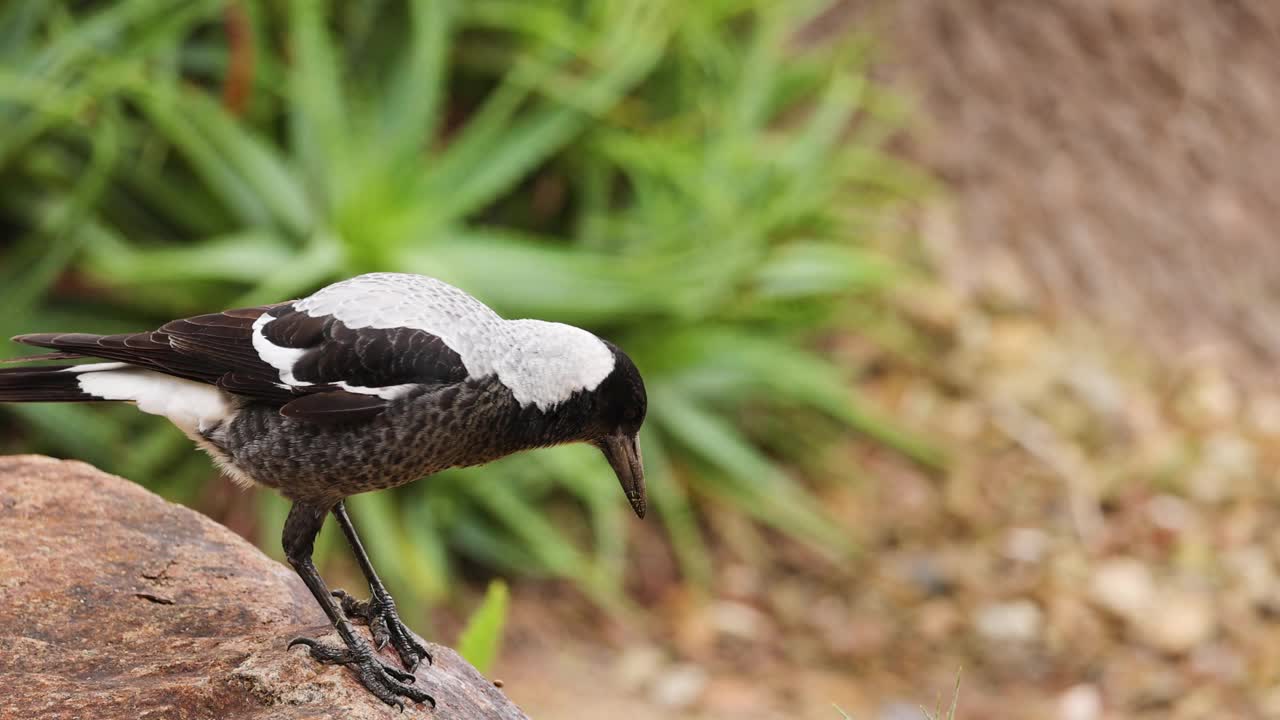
column 386, row 682
column 380, row 612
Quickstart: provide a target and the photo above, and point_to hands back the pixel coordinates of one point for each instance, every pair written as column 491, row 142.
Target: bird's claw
column 379, row 613
column 387, row 683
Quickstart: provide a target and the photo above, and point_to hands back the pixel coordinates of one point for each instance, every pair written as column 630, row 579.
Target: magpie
column 369, row 383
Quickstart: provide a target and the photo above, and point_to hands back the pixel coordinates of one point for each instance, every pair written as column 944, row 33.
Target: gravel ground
column 1102, row 547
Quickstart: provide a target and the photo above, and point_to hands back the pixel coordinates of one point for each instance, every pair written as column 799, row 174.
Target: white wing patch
column 283, row 359
column 280, row 358
column 542, row 363
column 96, row 367
column 386, row 392
column 194, row 407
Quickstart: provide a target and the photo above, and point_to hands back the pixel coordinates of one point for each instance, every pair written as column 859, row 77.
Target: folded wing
column 314, row 367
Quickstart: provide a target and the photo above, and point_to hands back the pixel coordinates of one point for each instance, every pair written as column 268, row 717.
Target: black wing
column 218, row 349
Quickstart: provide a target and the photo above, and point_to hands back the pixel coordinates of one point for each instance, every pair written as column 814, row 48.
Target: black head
column 619, row 410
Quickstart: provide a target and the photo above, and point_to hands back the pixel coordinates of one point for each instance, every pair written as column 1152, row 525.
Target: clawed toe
column 325, row 654
column 411, row 651
column 387, row 683
column 351, row 607
column 380, row 614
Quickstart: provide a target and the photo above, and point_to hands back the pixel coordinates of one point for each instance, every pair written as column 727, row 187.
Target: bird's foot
column 387, row 683
column 379, row 613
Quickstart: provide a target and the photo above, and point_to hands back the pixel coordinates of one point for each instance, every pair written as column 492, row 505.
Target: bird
column 370, row 383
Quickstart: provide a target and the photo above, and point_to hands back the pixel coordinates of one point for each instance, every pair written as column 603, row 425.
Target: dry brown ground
column 1119, row 158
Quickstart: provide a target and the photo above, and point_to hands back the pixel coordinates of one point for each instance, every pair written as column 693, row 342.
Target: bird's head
column 618, row 412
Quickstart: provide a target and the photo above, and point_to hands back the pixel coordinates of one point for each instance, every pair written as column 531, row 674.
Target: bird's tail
column 191, row 405
column 47, row 383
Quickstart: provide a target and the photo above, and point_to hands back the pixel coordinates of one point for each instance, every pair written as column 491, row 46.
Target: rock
column 117, row 604
column 1256, row 575
column 1123, row 586
column 1178, row 623
column 1227, row 466
column 1171, row 513
column 638, row 665
column 1018, row 621
column 679, row 686
column 738, row 620
column 1026, row 545
column 1081, row 702
column 1209, row 398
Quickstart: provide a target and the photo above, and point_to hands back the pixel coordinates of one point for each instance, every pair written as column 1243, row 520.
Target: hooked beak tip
column 637, row 504
column 623, row 453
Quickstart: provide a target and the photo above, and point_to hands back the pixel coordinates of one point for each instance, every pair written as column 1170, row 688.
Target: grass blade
column 480, row 640
column 317, row 120
column 748, row 479
column 413, row 105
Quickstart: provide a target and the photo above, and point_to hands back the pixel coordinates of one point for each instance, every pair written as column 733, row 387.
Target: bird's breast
column 426, row 431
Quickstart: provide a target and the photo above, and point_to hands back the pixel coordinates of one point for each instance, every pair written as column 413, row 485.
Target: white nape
column 545, row 362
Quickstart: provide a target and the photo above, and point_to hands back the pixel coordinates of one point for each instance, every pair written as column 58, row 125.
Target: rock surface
column 117, row 604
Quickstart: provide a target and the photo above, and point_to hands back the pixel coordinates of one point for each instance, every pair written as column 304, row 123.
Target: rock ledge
column 117, row 604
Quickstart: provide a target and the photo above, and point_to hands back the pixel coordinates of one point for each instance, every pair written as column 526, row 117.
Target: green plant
column 683, row 178
column 480, row 640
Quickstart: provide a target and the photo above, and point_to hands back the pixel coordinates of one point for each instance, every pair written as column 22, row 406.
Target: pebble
column 1123, row 586
column 1080, row 702
column 1209, row 399
column 1171, row 513
column 1026, row 545
column 1256, row 573
column 679, row 686
column 1017, row 621
column 738, row 620
column 638, row 665
column 1178, row 623
column 1228, row 462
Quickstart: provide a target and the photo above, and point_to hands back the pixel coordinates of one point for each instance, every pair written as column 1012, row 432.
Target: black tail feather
column 42, row 357
column 41, row 384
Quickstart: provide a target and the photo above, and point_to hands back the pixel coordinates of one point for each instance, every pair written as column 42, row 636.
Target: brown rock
column 117, row 604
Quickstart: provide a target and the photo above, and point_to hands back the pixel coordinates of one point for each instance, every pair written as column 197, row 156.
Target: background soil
column 1098, row 354
column 1115, row 158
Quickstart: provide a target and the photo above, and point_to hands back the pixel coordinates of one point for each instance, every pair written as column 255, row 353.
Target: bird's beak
column 623, row 452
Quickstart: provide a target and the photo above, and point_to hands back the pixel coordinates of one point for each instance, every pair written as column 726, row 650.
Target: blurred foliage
column 481, row 638
column 687, row 179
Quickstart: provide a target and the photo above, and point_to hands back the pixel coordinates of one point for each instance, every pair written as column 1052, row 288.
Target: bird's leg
column 389, row 684
column 379, row 613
